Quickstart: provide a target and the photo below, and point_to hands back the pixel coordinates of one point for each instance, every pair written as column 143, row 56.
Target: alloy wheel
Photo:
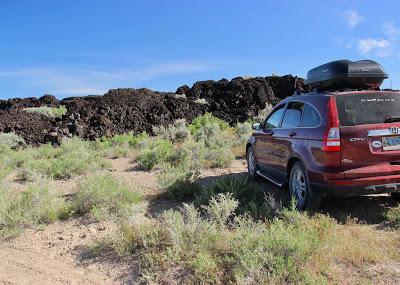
column 299, row 186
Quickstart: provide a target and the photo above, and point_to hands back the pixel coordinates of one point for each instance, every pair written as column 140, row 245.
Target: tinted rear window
column 371, row 108
column 292, row 118
column 310, row 117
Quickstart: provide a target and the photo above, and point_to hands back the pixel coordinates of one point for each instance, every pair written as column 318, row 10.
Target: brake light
column 331, row 139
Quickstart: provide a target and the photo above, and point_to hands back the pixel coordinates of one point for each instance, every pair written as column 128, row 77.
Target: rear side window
column 275, row 118
column 292, row 118
column 311, row 117
column 370, row 108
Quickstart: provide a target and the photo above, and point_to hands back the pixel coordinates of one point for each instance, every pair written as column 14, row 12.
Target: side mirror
column 256, row 126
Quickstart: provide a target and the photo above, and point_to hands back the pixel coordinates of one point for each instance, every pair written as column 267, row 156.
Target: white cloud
column 79, row 81
column 375, row 46
column 353, row 18
column 391, row 30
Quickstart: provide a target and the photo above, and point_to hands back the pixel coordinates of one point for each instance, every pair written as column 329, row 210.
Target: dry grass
column 231, row 234
column 215, row 246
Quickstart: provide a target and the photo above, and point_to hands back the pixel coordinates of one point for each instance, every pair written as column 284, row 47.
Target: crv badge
column 395, row 130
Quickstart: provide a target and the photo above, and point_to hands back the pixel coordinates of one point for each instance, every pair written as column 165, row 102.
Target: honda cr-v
column 341, row 139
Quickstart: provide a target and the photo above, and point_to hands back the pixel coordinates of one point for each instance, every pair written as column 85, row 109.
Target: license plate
column 391, row 143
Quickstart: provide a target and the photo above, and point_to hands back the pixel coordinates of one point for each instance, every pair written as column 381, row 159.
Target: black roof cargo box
column 346, row 74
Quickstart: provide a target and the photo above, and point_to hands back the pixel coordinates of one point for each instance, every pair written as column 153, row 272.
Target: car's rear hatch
column 369, row 133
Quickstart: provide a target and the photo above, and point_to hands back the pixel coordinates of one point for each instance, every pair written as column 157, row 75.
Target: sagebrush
column 73, row 157
column 39, row 204
column 102, row 196
column 48, row 111
column 223, row 248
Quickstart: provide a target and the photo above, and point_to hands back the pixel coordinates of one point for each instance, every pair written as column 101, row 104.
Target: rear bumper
column 357, row 187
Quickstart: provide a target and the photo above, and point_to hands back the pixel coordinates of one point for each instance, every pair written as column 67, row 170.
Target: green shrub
column 103, row 196
column 10, row 140
column 213, row 136
column 243, row 132
column 175, row 132
column 48, row 111
column 226, row 249
column 38, row 205
column 156, row 152
column 124, row 139
column 4, row 168
column 60, row 111
column 206, row 120
column 73, row 157
column 393, row 215
column 263, row 113
column 217, row 138
column 218, row 157
column 189, row 154
column 201, row 101
column 120, row 145
column 251, row 199
column 179, row 182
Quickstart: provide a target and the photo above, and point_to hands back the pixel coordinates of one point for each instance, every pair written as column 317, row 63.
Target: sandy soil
column 58, row 254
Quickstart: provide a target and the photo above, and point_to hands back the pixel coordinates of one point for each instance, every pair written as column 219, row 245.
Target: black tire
column 252, row 172
column 396, row 196
column 300, row 189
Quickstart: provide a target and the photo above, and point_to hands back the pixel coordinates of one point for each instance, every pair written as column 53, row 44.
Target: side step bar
column 269, row 178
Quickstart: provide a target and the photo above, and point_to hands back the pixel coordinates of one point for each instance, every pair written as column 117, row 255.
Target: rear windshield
column 370, row 108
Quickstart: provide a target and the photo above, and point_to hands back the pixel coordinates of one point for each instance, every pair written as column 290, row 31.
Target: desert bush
column 218, row 157
column 217, row 138
column 201, row 101
column 206, row 120
column 123, row 140
column 393, row 215
column 224, row 248
column 48, row 111
column 73, row 157
column 10, row 140
column 243, row 132
column 175, row 132
column 156, row 152
column 179, row 181
column 262, row 114
column 103, row 196
column 122, row 145
column 213, row 136
column 189, row 154
column 252, row 201
column 37, row 205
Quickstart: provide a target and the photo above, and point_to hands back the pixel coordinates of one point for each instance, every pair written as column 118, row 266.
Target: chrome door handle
column 292, row 134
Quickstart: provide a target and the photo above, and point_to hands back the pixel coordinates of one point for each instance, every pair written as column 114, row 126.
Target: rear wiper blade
column 392, row 119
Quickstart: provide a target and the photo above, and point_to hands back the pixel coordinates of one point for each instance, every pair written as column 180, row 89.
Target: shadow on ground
column 365, row 209
column 86, row 257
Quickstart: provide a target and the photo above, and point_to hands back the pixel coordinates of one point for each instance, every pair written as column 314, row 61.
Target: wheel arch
column 292, row 160
column 250, row 143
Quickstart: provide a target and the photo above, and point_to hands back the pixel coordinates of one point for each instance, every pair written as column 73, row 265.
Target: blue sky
column 71, row 48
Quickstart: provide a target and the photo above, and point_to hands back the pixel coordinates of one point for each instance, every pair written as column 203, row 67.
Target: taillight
column 331, row 139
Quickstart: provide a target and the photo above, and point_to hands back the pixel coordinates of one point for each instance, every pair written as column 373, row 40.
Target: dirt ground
column 58, row 253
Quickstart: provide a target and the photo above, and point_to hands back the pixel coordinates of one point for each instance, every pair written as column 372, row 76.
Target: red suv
column 329, row 143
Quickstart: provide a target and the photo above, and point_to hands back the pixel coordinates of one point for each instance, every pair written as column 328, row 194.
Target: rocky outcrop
column 137, row 110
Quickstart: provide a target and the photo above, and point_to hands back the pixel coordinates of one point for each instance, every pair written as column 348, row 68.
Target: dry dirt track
column 50, row 256
column 57, row 254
